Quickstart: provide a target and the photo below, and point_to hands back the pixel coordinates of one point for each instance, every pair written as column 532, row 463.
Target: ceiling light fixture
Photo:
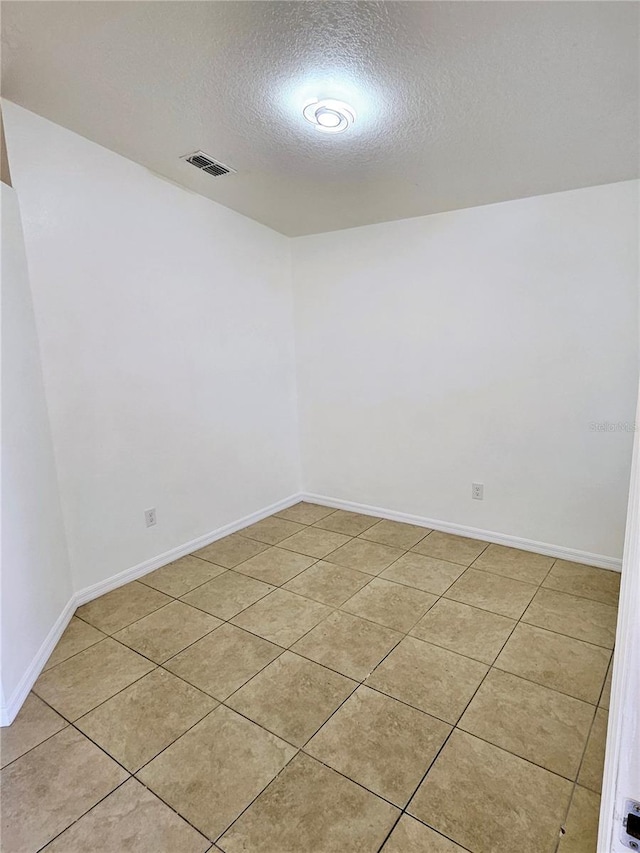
column 329, row 116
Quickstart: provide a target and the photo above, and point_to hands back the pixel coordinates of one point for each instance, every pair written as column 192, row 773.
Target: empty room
column 320, row 462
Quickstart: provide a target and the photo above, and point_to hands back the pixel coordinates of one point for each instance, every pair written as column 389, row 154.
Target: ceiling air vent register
column 207, row 164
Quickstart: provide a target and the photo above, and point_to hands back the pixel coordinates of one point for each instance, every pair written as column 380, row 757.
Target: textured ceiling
column 458, row 103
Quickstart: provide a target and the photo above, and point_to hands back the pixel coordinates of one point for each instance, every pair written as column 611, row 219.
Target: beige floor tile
column 347, row 644
column 77, row 637
column 122, row 606
column 448, row 546
column 605, row 697
column 314, row 542
column 507, row 802
column 426, row 573
column 598, row 584
column 380, row 743
column 78, row 684
column 429, row 678
column 562, row 663
column 329, row 583
column 467, row 630
column 231, row 550
column 130, row 819
column 282, row 617
column 532, row 721
column 305, row 513
column 592, row 768
column 275, row 566
column 228, row 594
column 581, row 828
column 50, row 787
column 501, row 595
column 395, row 533
column 272, row 530
column 145, row 718
column 391, row 604
column 349, row 523
column 411, row 836
column 167, row 631
column 181, row 576
column 364, row 556
column 513, row 563
column 214, row 771
column 223, row 661
column 34, row 723
column 292, row 697
column 576, row 617
column 310, row 807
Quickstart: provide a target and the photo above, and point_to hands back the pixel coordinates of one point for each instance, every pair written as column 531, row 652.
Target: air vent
column 207, row 164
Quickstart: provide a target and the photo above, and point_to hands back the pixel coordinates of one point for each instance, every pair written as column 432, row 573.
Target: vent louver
column 207, row 164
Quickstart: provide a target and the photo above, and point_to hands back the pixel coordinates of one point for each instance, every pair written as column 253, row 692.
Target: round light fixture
column 329, row 116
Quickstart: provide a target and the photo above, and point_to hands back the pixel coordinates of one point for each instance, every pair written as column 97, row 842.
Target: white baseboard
column 558, row 551
column 9, row 711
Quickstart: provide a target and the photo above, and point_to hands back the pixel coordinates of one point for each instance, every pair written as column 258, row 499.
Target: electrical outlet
column 477, row 491
column 150, row 517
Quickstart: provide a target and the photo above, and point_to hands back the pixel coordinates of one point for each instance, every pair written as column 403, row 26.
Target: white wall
column 476, row 346
column 167, row 348
column 35, row 576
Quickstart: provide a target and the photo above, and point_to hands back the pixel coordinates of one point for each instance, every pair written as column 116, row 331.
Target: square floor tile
column 167, row 631
column 605, row 696
column 448, row 546
column 275, row 566
column 581, row 828
column 50, row 787
column 347, row 644
column 305, row 513
column 532, row 721
column 34, row 723
column 349, row 523
column 136, row 724
column 592, row 768
column 77, row 637
column 380, row 743
column 329, row 583
column 513, row 563
column 508, row 802
column 431, row 679
column 427, row 573
column 364, row 556
column 598, row 584
column 411, row 836
column 272, row 530
column 396, row 534
column 182, row 575
column 576, row 617
column 467, row 630
column 78, row 684
column 130, row 819
column 223, row 661
column 282, row 617
column 231, row 550
column 314, row 542
column 562, row 663
column 228, row 594
column 391, row 604
column 122, row 606
column 292, row 697
column 501, row 595
column 310, row 807
column 214, row 771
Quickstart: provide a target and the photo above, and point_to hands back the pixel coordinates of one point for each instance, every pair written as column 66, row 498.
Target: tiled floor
column 323, row 681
